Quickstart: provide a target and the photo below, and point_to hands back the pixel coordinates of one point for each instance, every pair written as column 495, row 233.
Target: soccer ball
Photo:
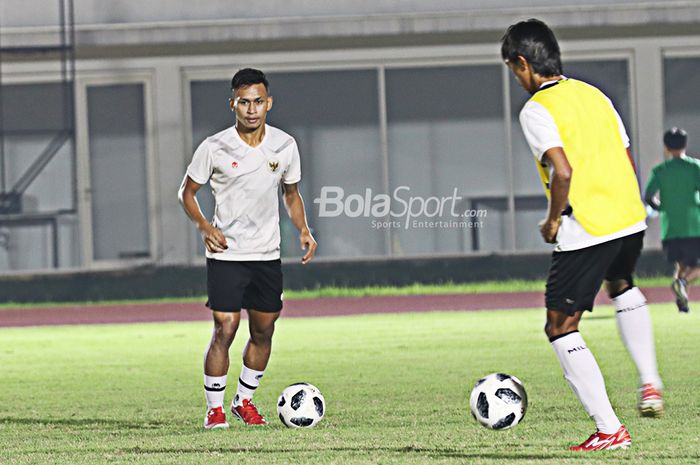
column 498, row 401
column 301, row 405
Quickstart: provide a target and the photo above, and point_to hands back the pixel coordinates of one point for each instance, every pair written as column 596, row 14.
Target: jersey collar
column 552, row 83
column 243, row 143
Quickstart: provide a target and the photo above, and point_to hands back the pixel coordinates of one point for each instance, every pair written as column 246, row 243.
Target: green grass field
column 396, row 388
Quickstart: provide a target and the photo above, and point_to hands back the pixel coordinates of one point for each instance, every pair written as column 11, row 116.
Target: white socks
column 634, row 325
column 248, row 382
column 215, row 387
column 214, row 390
column 582, row 372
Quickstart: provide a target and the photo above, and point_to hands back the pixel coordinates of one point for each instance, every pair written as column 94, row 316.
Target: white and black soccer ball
column 498, row 401
column 301, row 405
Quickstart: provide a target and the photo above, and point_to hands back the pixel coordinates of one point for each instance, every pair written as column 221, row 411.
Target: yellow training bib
column 604, row 193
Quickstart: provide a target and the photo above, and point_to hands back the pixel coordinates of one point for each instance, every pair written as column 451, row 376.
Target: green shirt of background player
column 677, row 181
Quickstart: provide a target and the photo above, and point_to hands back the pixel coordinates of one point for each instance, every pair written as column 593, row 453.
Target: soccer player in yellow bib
column 595, row 219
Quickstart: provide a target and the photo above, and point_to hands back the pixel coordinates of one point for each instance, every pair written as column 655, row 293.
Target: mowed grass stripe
column 396, row 388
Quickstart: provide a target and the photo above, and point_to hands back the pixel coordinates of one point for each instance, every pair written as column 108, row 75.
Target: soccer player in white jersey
column 245, row 165
column 595, row 219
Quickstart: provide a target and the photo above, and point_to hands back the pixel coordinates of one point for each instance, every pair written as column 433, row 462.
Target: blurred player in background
column 677, row 180
column 596, row 220
column 245, row 166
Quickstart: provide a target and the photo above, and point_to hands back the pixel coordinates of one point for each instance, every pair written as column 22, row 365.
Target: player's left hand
column 309, row 244
column 549, row 229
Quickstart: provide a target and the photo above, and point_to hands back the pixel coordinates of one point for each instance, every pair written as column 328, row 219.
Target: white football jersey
column 245, row 182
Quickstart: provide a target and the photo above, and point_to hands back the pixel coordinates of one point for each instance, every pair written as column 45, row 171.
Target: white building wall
column 168, row 48
column 30, row 13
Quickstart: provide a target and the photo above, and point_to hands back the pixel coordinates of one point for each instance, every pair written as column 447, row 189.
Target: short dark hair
column 247, row 77
column 535, row 41
column 675, row 139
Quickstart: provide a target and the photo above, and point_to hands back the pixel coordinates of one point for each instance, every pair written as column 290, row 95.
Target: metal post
column 509, row 156
column 54, row 237
column 384, row 147
column 71, row 100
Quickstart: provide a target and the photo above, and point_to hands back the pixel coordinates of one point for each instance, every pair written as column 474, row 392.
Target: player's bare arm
column 213, row 238
column 295, row 209
column 559, row 189
column 651, row 200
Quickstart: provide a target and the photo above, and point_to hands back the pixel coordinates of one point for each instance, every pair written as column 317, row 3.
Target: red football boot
column 601, row 441
column 651, row 404
column 248, row 413
column 216, row 418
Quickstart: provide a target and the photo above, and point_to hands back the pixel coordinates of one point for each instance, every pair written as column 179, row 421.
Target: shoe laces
column 215, row 412
column 250, row 413
column 597, row 434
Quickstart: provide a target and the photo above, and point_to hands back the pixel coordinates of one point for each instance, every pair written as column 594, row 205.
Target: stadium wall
column 151, row 282
column 152, row 82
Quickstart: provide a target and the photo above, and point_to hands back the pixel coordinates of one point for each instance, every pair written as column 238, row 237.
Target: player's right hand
column 549, row 229
column 214, row 239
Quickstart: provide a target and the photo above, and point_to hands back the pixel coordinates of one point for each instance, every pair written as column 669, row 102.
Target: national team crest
column 273, row 165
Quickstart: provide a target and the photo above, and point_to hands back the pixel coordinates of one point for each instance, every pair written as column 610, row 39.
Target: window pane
column 210, row 114
column 682, row 99
column 35, row 120
column 446, row 130
column 28, row 129
column 118, row 171
column 335, row 118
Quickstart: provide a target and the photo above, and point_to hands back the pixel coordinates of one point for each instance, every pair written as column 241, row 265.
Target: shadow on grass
column 430, row 452
column 560, row 455
column 82, row 422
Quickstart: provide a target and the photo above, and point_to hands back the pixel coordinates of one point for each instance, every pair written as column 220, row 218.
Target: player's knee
column 261, row 332
column 225, row 331
column 262, row 328
column 262, row 335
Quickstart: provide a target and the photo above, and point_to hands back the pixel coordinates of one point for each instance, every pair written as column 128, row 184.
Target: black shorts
column 685, row 250
column 575, row 277
column 254, row 285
